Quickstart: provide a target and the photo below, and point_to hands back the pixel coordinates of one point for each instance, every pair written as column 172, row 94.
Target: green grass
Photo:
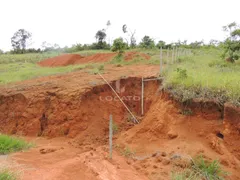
column 118, row 60
column 92, row 52
column 15, row 72
column 201, row 170
column 204, row 75
column 5, row 174
column 36, row 57
column 28, row 58
column 10, row 144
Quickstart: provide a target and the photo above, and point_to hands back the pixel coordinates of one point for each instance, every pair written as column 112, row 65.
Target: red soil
column 72, row 59
column 131, row 55
column 76, row 106
column 96, row 58
column 62, row 60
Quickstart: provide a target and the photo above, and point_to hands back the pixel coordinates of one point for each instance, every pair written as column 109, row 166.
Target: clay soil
column 67, row 118
column 73, row 59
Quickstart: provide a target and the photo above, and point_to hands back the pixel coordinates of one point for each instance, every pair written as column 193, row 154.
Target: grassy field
column 36, row 57
column 25, row 58
column 205, row 75
column 15, row 72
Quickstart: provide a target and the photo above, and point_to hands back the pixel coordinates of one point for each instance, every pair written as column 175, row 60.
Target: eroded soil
column 67, row 116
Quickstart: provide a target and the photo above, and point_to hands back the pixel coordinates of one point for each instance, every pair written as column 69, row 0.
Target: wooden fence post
column 110, row 136
column 161, row 61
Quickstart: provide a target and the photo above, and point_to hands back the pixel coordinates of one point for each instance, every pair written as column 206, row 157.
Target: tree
column 213, row 42
column 119, row 45
column 100, row 36
column 232, row 43
column 108, row 25
column 147, row 42
column 131, row 35
column 161, row 44
column 1, row 51
column 20, row 39
column 196, row 44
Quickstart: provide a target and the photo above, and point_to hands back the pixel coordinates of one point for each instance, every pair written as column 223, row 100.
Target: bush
column 147, row 43
column 182, row 73
column 12, row 144
column 119, row 46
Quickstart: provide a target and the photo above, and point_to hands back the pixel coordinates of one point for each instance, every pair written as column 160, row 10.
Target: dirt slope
column 76, row 107
column 73, row 59
column 62, row 60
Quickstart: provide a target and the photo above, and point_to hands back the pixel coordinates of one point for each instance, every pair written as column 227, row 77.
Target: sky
column 67, row 22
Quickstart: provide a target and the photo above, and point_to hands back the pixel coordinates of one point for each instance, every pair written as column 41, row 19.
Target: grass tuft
column 127, row 152
column 6, row 174
column 201, row 170
column 10, row 144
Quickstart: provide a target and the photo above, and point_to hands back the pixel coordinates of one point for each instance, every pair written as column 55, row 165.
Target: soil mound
column 62, row 60
column 96, row 58
column 72, row 59
column 132, row 55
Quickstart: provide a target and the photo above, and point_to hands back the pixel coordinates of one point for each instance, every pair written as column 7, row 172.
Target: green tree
column 196, row 44
column 232, row 43
column 20, row 39
column 147, row 42
column 161, row 44
column 119, row 45
column 1, row 51
column 213, row 43
column 100, row 37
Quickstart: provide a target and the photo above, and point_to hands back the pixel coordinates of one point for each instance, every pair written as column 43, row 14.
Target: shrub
column 119, row 46
column 182, row 73
column 12, row 144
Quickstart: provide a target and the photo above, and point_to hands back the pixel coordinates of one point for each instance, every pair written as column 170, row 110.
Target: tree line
column 231, row 45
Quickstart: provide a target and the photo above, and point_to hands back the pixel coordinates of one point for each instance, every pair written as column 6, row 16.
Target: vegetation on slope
column 204, row 75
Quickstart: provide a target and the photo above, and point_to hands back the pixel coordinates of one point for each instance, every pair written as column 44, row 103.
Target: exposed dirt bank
column 76, row 106
column 73, row 59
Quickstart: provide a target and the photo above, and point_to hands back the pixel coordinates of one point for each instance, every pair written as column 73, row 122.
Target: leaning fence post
column 175, row 57
column 110, row 136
